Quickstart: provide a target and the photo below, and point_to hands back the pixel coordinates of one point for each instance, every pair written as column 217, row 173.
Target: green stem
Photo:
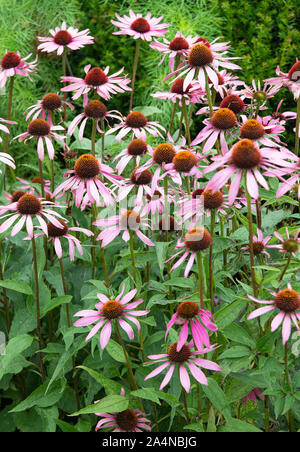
column 135, row 62
column 185, row 406
column 172, row 117
column 166, row 207
column 104, row 266
column 121, row 342
column 284, row 270
column 250, row 229
column 186, row 120
column 208, row 94
column 69, row 325
column 131, row 248
column 93, row 250
column 93, row 137
column 42, row 178
column 267, row 414
column 287, row 380
column 102, row 141
column 37, row 301
column 211, row 282
column 199, row 261
column 5, row 300
column 297, row 128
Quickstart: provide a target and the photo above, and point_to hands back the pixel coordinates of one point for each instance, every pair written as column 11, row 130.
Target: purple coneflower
column 136, row 149
column 44, row 108
column 12, row 64
column 288, row 302
column 64, row 38
column 188, row 314
column 177, row 47
column 252, row 396
column 186, row 357
column 140, row 27
column 118, row 309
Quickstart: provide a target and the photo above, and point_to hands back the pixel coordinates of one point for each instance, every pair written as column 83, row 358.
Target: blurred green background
column 264, row 33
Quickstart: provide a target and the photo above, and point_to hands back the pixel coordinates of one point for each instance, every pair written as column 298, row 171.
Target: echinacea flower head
column 260, row 244
column 261, row 131
column 203, row 59
column 136, row 149
column 138, row 125
column 95, row 109
column 195, row 240
column 85, row 180
column 244, row 156
column 185, row 358
column 288, row 303
column 221, row 123
column 190, row 316
column 252, row 396
column 192, row 93
column 44, row 132
column 124, row 421
column 63, row 38
column 107, row 310
column 24, row 211
column 290, row 244
column 140, row 27
column 128, row 221
column 234, row 102
column 56, row 234
column 177, row 47
column 140, row 181
column 98, row 80
column 259, row 94
column 45, row 107
column 290, row 79
column 290, row 183
column 12, row 64
column 184, row 163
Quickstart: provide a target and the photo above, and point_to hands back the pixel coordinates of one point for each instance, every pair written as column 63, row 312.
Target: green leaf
column 148, row 394
column 12, row 360
column 18, row 286
column 235, row 352
column 226, row 315
column 109, row 404
column 217, row 398
column 238, row 426
column 55, row 302
column 238, row 334
column 115, row 351
column 110, row 386
column 185, row 283
column 161, row 249
column 39, row 398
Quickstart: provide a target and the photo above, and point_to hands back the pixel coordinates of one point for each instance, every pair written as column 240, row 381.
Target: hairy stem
column 134, row 68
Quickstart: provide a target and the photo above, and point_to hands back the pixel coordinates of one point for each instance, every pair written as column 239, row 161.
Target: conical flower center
column 224, row 119
column 29, row 205
column 287, row 300
column 291, row 246
column 130, row 219
column 197, row 239
column 184, row 161
column 245, row 154
column 204, row 41
column 197, row 193
column 10, row 60
column 36, row 180
column 96, row 77
column 234, row 103
column 178, row 43
column 181, row 356
column 188, row 309
column 38, row 128
column 95, row 109
column 17, row 195
column 212, row 200
column 258, row 247
column 252, row 129
column 51, row 101
column 63, row 38
column 137, row 147
column 260, row 96
column 87, row 166
column 294, row 72
column 135, row 119
column 200, row 55
column 164, row 153
column 112, row 309
column 142, row 178
column 54, row 231
column 127, row 420
column 177, row 87
column 168, row 224
column 140, row 25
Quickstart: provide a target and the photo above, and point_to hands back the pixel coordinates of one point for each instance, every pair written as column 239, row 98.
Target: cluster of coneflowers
column 237, row 144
